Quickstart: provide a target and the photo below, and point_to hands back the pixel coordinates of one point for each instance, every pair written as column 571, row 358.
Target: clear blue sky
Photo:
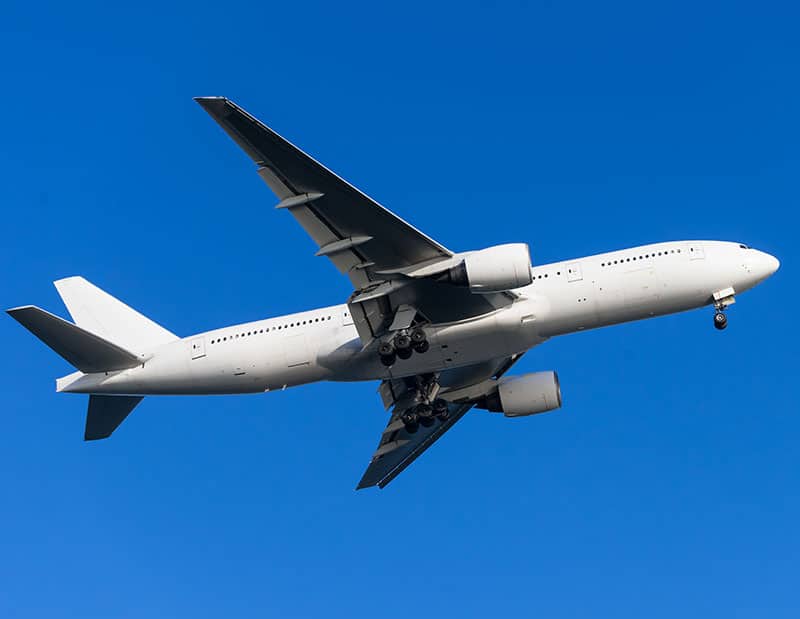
column 666, row 486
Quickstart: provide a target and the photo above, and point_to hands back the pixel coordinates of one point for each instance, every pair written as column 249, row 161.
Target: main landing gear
column 722, row 300
column 403, row 345
column 424, row 415
column 425, row 407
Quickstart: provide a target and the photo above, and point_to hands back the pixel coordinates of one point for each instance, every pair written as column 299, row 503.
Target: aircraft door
column 198, row 347
column 574, row 273
column 695, row 251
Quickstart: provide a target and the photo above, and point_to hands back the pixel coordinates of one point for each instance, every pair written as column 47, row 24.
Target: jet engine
column 495, row 269
column 528, row 394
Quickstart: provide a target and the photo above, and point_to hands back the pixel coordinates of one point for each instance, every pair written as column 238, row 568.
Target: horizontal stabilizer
column 86, row 351
column 105, row 414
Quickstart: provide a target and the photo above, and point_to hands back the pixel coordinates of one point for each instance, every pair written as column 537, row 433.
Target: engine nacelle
column 528, row 394
column 495, row 269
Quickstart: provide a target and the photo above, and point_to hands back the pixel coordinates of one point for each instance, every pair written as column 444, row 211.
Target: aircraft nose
column 766, row 264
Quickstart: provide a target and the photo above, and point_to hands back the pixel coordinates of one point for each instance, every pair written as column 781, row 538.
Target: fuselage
column 323, row 344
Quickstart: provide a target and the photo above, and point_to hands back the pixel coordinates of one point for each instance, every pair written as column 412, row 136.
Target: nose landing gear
column 722, row 300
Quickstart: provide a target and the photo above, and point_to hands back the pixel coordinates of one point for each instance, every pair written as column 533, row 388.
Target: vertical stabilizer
column 97, row 311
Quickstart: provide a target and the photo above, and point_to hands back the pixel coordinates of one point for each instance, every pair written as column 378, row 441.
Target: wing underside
column 398, row 448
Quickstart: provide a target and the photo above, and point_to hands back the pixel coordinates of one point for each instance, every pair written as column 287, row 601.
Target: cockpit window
column 743, row 246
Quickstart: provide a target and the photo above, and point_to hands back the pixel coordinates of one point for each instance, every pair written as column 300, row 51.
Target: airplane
column 439, row 329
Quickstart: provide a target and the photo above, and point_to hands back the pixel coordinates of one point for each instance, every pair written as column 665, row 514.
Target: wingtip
column 15, row 310
column 209, row 102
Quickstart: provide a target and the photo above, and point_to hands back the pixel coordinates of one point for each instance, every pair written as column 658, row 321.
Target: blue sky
column 668, row 483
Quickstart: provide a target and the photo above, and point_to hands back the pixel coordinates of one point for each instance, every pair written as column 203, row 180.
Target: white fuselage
column 323, row 344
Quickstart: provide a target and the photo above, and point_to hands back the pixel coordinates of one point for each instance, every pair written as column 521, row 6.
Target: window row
column 540, row 276
column 643, row 257
column 268, row 329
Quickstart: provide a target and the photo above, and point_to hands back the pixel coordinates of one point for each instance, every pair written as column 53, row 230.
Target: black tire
column 439, row 406
column 402, row 342
column 388, row 360
column 427, row 422
column 411, row 428
column 720, row 321
column 417, row 336
column 405, row 353
column 424, row 410
column 386, row 349
column 422, row 347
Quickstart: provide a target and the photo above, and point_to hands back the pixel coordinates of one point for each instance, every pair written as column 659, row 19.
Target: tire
column 412, row 428
column 402, row 342
column 439, row 406
column 427, row 422
column 388, row 360
column 422, row 347
column 720, row 321
column 386, row 349
column 404, row 353
column 424, row 411
column 417, row 336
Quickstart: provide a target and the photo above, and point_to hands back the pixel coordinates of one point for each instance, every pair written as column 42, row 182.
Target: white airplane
column 439, row 329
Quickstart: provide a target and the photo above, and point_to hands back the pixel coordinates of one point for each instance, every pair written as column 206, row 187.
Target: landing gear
column 427, row 407
column 403, row 345
column 410, row 421
column 387, row 354
column 440, row 409
column 722, row 300
column 425, row 414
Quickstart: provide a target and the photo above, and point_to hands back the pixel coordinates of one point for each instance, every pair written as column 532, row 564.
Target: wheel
column 425, row 415
column 417, row 336
column 404, row 353
column 422, row 347
column 410, row 421
column 386, row 349
column 402, row 342
column 424, row 410
column 720, row 321
column 388, row 360
column 439, row 406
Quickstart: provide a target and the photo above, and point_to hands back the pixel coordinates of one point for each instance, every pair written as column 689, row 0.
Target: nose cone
column 765, row 264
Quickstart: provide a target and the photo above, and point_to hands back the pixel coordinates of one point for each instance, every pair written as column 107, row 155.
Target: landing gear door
column 574, row 273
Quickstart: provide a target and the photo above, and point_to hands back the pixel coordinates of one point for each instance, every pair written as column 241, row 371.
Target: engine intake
column 527, row 394
column 495, row 269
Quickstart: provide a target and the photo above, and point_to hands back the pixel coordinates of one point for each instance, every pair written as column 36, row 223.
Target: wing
column 349, row 227
column 397, row 449
column 388, row 261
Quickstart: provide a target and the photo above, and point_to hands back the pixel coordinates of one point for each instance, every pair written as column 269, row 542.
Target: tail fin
column 105, row 414
column 99, row 312
column 86, row 351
